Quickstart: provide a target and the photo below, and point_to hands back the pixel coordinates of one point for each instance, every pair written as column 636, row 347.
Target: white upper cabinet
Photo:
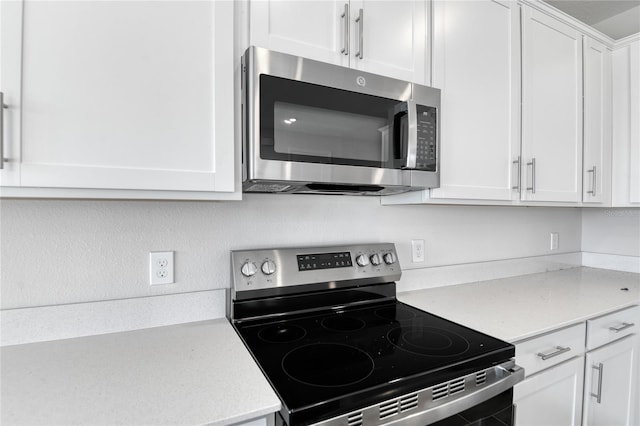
column 382, row 37
column 119, row 96
column 596, row 177
column 476, row 63
column 626, row 125
column 551, row 109
column 312, row 29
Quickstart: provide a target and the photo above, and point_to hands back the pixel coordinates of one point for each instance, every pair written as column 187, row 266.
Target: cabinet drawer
column 550, row 349
column 614, row 326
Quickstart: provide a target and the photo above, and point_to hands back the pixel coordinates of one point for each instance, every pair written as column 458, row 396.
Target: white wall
column 611, row 231
column 56, row 252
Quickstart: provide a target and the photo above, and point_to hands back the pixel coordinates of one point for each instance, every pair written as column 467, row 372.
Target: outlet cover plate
column 161, row 267
column 417, row 251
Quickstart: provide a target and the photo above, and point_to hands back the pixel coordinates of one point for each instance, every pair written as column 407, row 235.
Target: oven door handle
column 423, row 409
column 511, row 375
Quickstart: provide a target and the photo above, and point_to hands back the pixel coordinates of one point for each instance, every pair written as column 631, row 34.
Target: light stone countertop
column 517, row 308
column 196, row 373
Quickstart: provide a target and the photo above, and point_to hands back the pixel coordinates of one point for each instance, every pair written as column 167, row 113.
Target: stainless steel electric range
column 326, row 329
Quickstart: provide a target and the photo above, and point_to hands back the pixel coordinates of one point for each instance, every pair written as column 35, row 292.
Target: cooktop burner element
column 327, row 364
column 281, row 333
column 428, row 341
column 327, row 331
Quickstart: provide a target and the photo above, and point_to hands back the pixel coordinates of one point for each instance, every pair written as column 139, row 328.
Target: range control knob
column 362, row 260
column 389, row 258
column 248, row 269
column 268, row 267
column 375, row 259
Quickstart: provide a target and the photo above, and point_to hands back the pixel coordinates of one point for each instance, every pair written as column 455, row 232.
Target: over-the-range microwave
column 312, row 127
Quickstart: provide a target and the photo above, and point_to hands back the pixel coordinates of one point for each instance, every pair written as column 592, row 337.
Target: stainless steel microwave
column 312, row 127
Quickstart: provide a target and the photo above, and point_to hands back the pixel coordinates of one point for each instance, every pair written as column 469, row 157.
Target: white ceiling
column 615, row 18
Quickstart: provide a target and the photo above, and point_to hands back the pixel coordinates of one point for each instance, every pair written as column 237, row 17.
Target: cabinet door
column 552, row 397
column 476, row 50
column 126, row 95
column 634, row 129
column 610, row 372
column 596, row 175
column 10, row 31
column 626, row 129
column 316, row 29
column 391, row 38
column 552, row 109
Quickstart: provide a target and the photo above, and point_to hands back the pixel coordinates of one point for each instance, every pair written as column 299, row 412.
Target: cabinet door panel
column 552, row 397
column 597, row 123
column 394, row 37
column 477, row 66
column 311, row 29
column 634, row 111
column 610, row 373
column 10, row 52
column 552, row 109
column 123, row 95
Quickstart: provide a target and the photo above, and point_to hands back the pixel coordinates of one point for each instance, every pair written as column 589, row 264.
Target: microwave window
column 319, row 132
column 307, row 123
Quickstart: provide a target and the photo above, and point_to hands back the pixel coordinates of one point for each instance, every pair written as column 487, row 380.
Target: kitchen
column 68, row 259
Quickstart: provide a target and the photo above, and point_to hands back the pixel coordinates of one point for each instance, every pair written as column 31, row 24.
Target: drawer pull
column 598, row 395
column 624, row 326
column 559, row 350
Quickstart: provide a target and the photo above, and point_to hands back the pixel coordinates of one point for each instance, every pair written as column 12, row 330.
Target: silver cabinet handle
column 360, row 22
column 593, row 181
column 532, row 188
column 519, row 163
column 345, row 30
column 2, row 107
column 598, row 395
column 559, row 350
column 624, row 326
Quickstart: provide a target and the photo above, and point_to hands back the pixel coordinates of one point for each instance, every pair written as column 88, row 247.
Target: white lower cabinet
column 609, row 383
column 551, row 397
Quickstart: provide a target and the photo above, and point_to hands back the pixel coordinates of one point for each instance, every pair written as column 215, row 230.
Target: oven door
column 497, row 411
column 307, row 121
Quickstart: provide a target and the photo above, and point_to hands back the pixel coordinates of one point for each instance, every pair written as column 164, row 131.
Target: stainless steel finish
column 519, row 164
column 559, row 350
column 420, row 408
column 389, row 258
column 360, row 22
column 593, row 181
column 268, row 267
column 412, row 145
column 2, row 107
column 624, row 326
column 345, row 30
column 532, row 188
column 598, row 395
column 290, row 176
column 375, row 259
column 362, row 260
column 287, row 277
column 248, row 269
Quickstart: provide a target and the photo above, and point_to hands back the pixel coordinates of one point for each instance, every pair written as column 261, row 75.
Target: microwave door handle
column 412, row 135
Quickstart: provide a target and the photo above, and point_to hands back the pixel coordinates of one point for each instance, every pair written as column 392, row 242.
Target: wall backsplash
column 61, row 251
column 611, row 231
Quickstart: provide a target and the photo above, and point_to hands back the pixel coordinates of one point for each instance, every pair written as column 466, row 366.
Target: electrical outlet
column 417, row 251
column 554, row 241
column 160, row 267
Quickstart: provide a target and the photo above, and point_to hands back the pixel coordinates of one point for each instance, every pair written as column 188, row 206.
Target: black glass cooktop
column 321, row 364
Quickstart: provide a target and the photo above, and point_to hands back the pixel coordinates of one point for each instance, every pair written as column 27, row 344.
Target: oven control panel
column 338, row 266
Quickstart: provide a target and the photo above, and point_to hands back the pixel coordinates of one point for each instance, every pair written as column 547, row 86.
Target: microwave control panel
column 427, row 142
